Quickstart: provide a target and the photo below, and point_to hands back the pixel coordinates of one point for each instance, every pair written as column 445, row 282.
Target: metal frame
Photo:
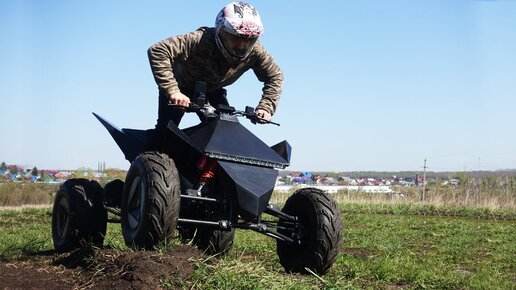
column 262, row 227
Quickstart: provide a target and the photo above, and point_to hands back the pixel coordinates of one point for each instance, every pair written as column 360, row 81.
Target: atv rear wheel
column 78, row 215
column 150, row 200
column 215, row 242
column 211, row 241
column 320, row 232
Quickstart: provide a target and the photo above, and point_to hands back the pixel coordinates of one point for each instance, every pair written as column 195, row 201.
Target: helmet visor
column 237, row 45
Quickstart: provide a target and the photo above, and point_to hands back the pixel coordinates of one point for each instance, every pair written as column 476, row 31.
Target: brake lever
column 255, row 118
column 268, row 122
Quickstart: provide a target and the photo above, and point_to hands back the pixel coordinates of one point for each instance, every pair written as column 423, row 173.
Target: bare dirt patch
column 101, row 269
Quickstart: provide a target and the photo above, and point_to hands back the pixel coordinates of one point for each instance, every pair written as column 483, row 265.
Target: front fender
column 253, row 185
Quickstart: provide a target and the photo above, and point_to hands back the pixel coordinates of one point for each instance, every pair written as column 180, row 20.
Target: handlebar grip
column 177, row 106
column 191, row 108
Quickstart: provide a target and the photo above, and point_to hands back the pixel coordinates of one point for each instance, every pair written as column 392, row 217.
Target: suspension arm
column 274, row 212
column 263, row 229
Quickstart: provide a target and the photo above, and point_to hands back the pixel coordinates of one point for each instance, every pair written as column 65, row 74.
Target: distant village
column 45, row 176
column 365, row 184
column 17, row 173
column 307, row 177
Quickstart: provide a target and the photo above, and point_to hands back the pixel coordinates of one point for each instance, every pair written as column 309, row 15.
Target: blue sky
column 369, row 85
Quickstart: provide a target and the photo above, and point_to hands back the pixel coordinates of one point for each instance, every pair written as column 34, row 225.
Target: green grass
column 24, row 232
column 431, row 210
column 381, row 249
column 428, row 252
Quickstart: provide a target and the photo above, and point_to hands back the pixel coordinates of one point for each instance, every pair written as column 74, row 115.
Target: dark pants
column 167, row 113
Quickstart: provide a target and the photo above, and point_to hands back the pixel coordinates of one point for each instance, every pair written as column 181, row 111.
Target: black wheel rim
column 306, row 223
column 135, row 203
column 62, row 217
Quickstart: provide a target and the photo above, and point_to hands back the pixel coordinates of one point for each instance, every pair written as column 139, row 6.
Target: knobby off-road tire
column 211, row 241
column 78, row 215
column 321, row 232
column 150, row 200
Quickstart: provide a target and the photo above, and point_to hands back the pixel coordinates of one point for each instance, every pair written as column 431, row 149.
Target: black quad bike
column 205, row 181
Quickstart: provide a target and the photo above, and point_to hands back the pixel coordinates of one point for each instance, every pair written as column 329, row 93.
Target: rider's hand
column 180, row 99
column 263, row 116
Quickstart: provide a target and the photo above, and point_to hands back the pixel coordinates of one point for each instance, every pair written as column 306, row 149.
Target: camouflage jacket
column 178, row 62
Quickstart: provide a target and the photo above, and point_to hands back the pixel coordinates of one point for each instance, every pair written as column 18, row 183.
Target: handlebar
column 201, row 106
column 208, row 110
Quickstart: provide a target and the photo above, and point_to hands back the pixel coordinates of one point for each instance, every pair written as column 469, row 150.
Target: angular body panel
column 248, row 163
column 226, row 139
column 253, row 184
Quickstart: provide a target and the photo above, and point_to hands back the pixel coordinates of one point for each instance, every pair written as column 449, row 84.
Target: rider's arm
column 268, row 72
column 163, row 54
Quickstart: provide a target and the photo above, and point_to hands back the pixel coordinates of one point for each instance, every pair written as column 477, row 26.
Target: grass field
column 384, row 247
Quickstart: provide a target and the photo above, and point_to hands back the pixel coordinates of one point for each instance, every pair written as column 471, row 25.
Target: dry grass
column 494, row 194
column 19, row 194
column 489, row 193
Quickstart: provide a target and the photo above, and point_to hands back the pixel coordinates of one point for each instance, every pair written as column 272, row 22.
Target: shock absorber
column 208, row 167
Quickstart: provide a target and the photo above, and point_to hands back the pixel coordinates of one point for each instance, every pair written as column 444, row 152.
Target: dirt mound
column 101, row 269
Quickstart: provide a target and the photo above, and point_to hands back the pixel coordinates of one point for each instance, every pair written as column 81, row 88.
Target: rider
column 218, row 56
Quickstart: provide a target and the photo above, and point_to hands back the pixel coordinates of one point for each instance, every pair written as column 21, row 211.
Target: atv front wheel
column 319, row 232
column 150, row 200
column 78, row 215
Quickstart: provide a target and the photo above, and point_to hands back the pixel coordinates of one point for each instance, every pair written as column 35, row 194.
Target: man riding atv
column 207, row 180
column 217, row 56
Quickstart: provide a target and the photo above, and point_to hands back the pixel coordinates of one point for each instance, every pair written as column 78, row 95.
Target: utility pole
column 424, row 179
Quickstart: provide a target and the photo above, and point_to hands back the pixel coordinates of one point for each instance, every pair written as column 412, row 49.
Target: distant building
column 303, row 177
